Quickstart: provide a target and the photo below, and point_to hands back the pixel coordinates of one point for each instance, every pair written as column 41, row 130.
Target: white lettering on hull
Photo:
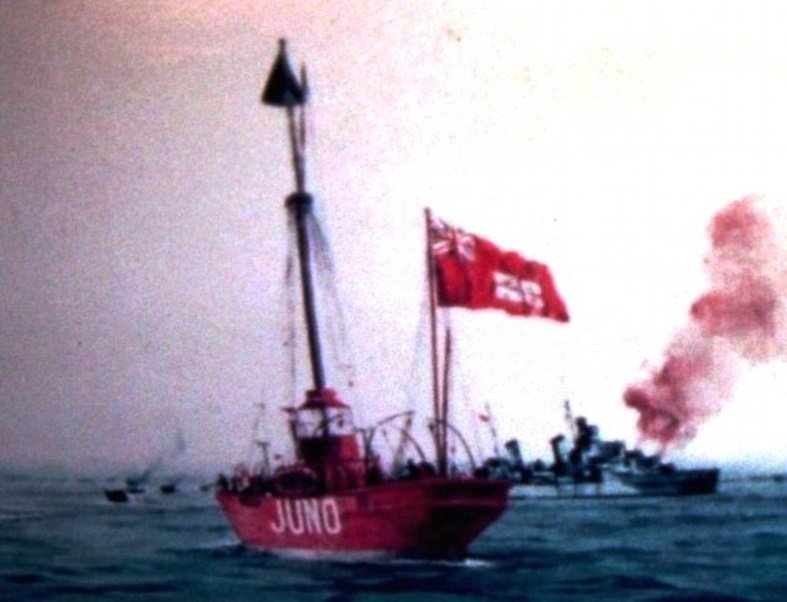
column 312, row 516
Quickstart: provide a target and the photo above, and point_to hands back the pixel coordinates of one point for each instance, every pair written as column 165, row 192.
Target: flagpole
column 438, row 419
column 444, row 410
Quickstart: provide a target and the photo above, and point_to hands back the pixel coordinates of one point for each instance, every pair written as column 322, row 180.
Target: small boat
column 116, row 495
column 136, row 485
column 133, row 487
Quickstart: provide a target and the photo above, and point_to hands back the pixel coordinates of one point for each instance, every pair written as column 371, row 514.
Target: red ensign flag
column 474, row 273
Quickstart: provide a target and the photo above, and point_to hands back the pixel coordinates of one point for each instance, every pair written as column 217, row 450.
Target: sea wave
column 67, row 542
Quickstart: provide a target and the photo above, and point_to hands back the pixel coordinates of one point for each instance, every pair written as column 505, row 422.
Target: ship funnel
column 512, row 447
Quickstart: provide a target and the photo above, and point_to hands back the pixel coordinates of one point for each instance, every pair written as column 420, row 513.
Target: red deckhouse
column 335, row 497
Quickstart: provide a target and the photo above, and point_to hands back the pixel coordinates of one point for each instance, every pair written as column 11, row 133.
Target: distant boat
column 116, row 495
column 168, row 488
column 592, row 467
column 650, row 476
column 133, row 487
column 137, row 484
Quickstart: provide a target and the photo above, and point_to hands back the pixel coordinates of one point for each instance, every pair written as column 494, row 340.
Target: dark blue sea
column 61, row 540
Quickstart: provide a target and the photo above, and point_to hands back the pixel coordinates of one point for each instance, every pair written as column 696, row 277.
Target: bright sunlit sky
column 142, row 235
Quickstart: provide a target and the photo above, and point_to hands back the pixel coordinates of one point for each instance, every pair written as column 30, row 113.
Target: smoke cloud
column 739, row 320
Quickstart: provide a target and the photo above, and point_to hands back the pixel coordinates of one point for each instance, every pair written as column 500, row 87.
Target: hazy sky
column 142, row 235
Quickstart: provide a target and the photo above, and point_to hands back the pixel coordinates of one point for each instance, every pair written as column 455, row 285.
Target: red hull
column 427, row 517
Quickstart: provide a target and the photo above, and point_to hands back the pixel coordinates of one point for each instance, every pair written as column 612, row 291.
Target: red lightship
column 336, row 498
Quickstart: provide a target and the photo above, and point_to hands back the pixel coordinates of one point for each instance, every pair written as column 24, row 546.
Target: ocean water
column 61, row 540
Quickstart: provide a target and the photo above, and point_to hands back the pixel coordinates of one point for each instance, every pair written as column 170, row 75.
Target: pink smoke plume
column 741, row 317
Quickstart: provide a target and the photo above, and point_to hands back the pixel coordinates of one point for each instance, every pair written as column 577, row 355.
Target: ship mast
column 285, row 91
